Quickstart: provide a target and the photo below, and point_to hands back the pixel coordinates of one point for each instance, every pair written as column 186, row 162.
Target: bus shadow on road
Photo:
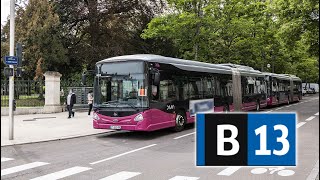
column 142, row 135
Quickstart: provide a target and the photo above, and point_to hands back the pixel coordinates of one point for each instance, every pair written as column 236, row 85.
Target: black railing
column 81, row 91
column 27, row 93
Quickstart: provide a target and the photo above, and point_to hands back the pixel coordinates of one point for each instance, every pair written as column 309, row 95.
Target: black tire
column 258, row 106
column 180, row 121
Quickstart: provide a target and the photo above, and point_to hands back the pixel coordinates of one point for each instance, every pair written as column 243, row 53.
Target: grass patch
column 28, row 102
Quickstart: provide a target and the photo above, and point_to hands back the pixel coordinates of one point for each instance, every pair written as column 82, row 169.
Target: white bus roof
column 283, row 76
column 187, row 65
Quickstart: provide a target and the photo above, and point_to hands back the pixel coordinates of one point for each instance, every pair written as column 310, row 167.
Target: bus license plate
column 115, row 127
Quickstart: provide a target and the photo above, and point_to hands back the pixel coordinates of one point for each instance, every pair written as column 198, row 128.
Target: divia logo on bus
column 246, row 139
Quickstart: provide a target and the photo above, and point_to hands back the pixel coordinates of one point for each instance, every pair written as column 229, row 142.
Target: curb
column 57, row 139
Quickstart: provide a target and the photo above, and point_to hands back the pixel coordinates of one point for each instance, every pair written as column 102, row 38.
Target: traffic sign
column 11, row 60
column 246, row 139
column 8, row 71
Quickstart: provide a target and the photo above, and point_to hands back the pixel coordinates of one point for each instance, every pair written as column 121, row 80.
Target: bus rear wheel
column 180, row 121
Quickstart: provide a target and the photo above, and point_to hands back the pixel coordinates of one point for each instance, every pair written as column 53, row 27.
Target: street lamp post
column 11, row 78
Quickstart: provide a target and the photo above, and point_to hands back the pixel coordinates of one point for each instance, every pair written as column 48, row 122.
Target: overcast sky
column 5, row 10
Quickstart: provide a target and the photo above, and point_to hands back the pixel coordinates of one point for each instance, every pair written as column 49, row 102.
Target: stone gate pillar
column 52, row 92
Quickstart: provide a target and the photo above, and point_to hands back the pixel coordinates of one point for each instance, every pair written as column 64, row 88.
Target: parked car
column 315, row 87
column 304, row 91
column 311, row 91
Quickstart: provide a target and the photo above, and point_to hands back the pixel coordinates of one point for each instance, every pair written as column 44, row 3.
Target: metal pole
column 11, row 78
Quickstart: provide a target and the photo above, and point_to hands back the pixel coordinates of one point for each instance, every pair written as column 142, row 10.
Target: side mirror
column 156, row 80
column 83, row 79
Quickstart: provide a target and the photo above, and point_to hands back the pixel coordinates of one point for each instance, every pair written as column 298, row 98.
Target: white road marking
column 22, row 168
column 63, row 173
column 310, row 118
column 184, row 135
column 279, row 108
column 259, row 170
column 6, row 159
column 300, row 124
column 229, row 171
column 184, row 178
column 286, row 172
column 119, row 155
column 121, row 176
column 316, row 114
column 314, row 172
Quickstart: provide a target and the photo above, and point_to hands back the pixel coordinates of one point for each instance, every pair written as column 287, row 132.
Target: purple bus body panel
column 272, row 101
column 153, row 119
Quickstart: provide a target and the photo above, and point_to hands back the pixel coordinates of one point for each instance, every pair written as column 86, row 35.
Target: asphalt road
column 159, row 155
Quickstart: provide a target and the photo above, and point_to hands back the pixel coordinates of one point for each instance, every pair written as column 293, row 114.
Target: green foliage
column 71, row 36
column 283, row 33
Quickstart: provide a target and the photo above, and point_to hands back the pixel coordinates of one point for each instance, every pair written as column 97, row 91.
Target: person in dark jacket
column 71, row 100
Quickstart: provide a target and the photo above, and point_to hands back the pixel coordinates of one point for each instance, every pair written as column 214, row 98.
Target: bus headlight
column 95, row 116
column 139, row 117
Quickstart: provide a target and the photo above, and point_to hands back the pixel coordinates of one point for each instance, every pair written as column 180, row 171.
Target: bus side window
column 181, row 86
column 207, row 88
column 195, row 88
column 167, row 90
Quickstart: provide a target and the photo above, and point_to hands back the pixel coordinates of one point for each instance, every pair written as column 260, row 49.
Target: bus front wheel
column 180, row 121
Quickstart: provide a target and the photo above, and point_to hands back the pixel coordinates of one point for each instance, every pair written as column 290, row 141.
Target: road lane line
column 121, row 176
column 278, row 108
column 310, row 118
column 229, row 171
column 22, row 168
column 63, row 173
column 119, row 155
column 184, row 178
column 300, row 124
column 316, row 114
column 6, row 159
column 314, row 172
column 184, row 135
column 288, row 106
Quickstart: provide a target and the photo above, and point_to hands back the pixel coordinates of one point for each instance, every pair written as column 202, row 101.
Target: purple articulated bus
column 283, row 89
column 149, row 92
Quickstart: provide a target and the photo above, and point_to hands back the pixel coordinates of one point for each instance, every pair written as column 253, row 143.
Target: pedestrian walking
column 71, row 100
column 90, row 101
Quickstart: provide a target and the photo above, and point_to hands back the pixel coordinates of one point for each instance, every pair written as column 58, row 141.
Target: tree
column 94, row 30
column 38, row 29
column 213, row 31
column 39, row 76
column 254, row 33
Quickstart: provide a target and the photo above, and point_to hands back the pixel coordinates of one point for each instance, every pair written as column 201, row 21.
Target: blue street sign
column 11, row 60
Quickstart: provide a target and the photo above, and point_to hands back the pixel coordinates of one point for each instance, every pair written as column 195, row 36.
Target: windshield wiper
column 117, row 102
column 131, row 105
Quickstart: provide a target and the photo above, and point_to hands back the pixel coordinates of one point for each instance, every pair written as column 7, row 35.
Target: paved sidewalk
column 46, row 127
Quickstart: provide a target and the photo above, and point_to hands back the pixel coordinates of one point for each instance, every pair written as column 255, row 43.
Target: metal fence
column 27, row 93
column 80, row 91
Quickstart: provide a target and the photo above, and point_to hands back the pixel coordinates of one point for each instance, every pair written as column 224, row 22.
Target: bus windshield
column 124, row 87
